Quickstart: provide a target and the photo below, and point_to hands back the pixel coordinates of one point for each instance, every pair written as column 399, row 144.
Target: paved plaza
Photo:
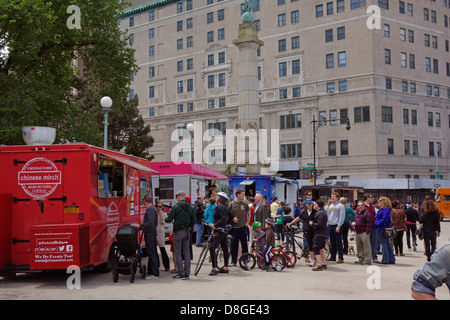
column 346, row 281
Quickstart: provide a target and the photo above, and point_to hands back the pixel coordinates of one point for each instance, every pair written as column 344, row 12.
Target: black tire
column 278, row 262
column 247, row 261
column 115, row 274
column 143, row 271
column 132, row 273
column 201, row 259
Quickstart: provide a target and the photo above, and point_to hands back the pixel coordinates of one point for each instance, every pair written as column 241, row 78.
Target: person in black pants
column 412, row 216
column 431, row 227
column 220, row 218
column 150, row 233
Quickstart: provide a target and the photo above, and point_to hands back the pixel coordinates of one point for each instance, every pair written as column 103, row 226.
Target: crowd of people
column 378, row 227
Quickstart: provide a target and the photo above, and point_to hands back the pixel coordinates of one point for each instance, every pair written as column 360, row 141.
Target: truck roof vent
column 38, row 135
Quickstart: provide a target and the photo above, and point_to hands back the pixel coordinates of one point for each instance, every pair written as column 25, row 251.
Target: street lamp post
column 106, row 103
column 190, row 127
column 319, row 124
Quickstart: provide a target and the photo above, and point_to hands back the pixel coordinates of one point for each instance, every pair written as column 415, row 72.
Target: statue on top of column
column 249, row 7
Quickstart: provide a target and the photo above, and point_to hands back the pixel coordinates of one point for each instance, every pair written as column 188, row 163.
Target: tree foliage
column 42, row 82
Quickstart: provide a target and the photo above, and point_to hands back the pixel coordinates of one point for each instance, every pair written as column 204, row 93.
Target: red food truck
column 61, row 205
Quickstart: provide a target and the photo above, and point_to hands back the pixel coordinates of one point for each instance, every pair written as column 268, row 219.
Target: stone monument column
column 249, row 113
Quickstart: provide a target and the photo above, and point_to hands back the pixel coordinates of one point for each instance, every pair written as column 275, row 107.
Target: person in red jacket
column 363, row 228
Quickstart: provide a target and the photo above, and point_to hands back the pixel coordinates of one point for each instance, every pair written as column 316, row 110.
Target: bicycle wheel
column 291, row 259
column 260, row 261
column 278, row 262
column 247, row 261
column 201, row 258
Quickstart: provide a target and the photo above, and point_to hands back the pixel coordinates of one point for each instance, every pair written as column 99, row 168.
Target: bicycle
column 294, row 233
column 248, row 260
column 206, row 247
column 291, row 258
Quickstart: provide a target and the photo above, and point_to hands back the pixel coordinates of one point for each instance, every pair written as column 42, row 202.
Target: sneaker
column 340, row 261
column 222, row 270
column 317, row 268
column 178, row 276
column 213, row 272
column 312, row 263
column 324, row 267
column 233, row 265
column 186, row 278
column 151, row 277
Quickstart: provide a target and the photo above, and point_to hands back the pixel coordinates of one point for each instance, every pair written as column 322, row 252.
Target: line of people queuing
column 333, row 220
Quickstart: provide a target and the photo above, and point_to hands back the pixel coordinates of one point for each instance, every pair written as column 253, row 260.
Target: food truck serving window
column 166, row 188
column 110, row 178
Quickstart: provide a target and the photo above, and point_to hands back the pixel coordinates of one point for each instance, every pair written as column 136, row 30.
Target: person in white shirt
column 336, row 217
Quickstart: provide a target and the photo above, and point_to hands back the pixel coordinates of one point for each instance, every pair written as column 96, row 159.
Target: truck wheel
column 108, row 265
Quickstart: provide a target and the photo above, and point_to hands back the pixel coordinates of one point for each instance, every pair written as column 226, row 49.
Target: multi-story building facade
column 388, row 74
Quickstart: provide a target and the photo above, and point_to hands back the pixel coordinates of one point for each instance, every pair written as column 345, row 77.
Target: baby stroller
column 127, row 257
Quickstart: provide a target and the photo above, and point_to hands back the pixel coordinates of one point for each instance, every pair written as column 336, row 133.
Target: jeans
column 200, row 227
column 386, row 248
column 153, row 259
column 181, row 245
column 336, row 243
column 373, row 244
column 239, row 234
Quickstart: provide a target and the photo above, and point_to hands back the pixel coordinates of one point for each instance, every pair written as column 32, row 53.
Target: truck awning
column 130, row 163
column 246, row 182
column 284, row 180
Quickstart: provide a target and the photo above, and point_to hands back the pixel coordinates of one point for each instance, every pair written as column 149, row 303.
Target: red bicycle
column 291, row 258
column 249, row 260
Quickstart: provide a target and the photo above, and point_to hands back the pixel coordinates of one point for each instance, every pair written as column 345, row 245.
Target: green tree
column 53, row 73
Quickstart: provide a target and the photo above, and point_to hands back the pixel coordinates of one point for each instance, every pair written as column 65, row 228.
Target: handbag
column 389, row 232
column 419, row 233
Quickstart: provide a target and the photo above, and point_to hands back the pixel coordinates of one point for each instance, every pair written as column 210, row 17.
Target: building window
column 386, row 114
column 331, row 148
column 342, row 59
column 210, row 36
column 281, row 45
column 282, row 69
column 295, row 42
column 210, row 81
column 344, row 148
column 293, row 150
column 221, row 79
column 341, row 33
column 296, row 66
column 330, row 61
column 283, row 93
column 151, row 91
column 329, row 35
column 296, row 92
column 291, row 121
column 362, row 114
column 390, row 146
column 319, row 10
column 295, row 17
column 282, row 19
column 221, row 34
column 190, row 42
column 180, row 86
